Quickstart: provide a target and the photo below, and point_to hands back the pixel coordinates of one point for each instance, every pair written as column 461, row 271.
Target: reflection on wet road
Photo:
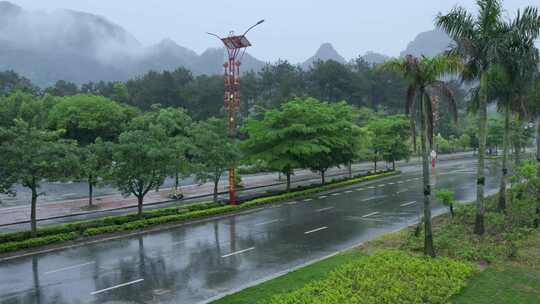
column 197, row 262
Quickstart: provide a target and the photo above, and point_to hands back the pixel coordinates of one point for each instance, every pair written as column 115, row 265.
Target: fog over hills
column 81, row 47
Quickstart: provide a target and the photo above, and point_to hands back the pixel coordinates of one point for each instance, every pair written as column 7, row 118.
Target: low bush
column 386, row 277
column 39, row 241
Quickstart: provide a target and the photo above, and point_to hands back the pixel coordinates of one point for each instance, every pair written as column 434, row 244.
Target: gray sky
column 294, row 29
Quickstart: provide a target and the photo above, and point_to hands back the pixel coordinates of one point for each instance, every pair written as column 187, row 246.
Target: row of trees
column 97, row 140
column 498, row 56
column 358, row 83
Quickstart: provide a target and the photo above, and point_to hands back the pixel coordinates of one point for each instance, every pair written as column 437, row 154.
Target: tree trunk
column 215, row 197
column 288, row 174
column 176, row 181
column 33, row 222
column 480, row 176
column 452, row 210
column 428, row 233
column 393, row 165
column 504, row 176
column 350, row 169
column 375, row 166
column 90, row 191
column 323, row 178
column 140, row 199
column 537, row 219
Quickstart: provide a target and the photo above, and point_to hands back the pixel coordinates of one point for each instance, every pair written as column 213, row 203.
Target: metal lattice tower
column 236, row 47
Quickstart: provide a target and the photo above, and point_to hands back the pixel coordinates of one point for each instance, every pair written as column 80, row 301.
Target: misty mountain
column 430, row 43
column 325, row 52
column 81, row 47
column 375, row 58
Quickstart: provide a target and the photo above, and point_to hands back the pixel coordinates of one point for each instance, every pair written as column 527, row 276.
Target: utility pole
column 236, row 47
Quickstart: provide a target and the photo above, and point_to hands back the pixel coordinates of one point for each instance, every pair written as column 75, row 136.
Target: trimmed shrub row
column 386, row 277
column 59, row 233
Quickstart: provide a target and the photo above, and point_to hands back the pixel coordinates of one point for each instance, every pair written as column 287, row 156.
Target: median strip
column 117, row 286
column 237, row 252
column 315, row 230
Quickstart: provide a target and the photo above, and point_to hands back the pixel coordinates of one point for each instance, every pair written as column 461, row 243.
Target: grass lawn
column 291, row 281
column 508, row 282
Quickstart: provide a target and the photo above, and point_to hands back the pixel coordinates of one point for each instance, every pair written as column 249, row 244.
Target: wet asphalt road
column 197, row 262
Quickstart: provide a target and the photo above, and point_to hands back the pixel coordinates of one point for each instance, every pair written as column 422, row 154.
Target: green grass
column 295, row 280
column 508, row 285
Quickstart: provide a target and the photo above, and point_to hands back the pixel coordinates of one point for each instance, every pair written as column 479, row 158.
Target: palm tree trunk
column 537, row 219
column 428, row 233
column 480, row 177
column 504, row 177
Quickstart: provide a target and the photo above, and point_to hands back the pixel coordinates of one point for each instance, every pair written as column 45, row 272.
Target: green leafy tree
column 24, row 106
column 495, row 134
column 87, row 117
column 422, row 76
column 31, row 156
column 214, row 151
column 95, row 164
column 329, row 80
column 142, row 160
column 480, row 41
column 11, row 82
column 390, row 137
column 63, row 88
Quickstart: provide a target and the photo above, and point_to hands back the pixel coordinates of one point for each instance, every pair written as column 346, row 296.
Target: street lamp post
column 236, row 46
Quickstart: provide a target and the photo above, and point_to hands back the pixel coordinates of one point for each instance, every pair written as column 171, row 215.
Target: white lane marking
column 308, row 200
column 292, row 203
column 371, row 187
column 335, row 194
column 408, row 204
column 69, row 267
column 238, row 252
column 348, row 191
column 324, row 209
column 372, row 198
column 370, row 214
column 323, row 196
column 183, row 241
column 400, row 182
column 267, row 222
column 315, row 230
column 117, row 286
column 391, row 183
column 401, row 191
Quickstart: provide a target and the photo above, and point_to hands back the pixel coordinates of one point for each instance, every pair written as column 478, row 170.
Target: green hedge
column 58, row 233
column 386, row 277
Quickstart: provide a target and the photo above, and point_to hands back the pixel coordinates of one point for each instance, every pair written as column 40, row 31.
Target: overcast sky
column 293, row 30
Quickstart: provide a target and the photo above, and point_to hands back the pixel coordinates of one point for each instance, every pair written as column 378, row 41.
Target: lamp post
column 236, row 47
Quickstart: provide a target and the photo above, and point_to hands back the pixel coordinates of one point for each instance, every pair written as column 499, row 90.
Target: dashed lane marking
column 315, row 230
column 237, row 252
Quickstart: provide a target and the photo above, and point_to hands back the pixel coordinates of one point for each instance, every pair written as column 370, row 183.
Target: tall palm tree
column 478, row 40
column 514, row 78
column 422, row 75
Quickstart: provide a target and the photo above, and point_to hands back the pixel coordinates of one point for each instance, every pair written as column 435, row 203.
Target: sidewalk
column 261, row 182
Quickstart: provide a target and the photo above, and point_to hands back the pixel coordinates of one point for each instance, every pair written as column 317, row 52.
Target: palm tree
column 514, row 77
column 478, row 40
column 422, row 75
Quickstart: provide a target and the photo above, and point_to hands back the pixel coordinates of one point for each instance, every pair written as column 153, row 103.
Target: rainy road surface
column 198, row 262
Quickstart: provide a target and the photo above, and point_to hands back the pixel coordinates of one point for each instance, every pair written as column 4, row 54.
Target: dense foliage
column 386, row 277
